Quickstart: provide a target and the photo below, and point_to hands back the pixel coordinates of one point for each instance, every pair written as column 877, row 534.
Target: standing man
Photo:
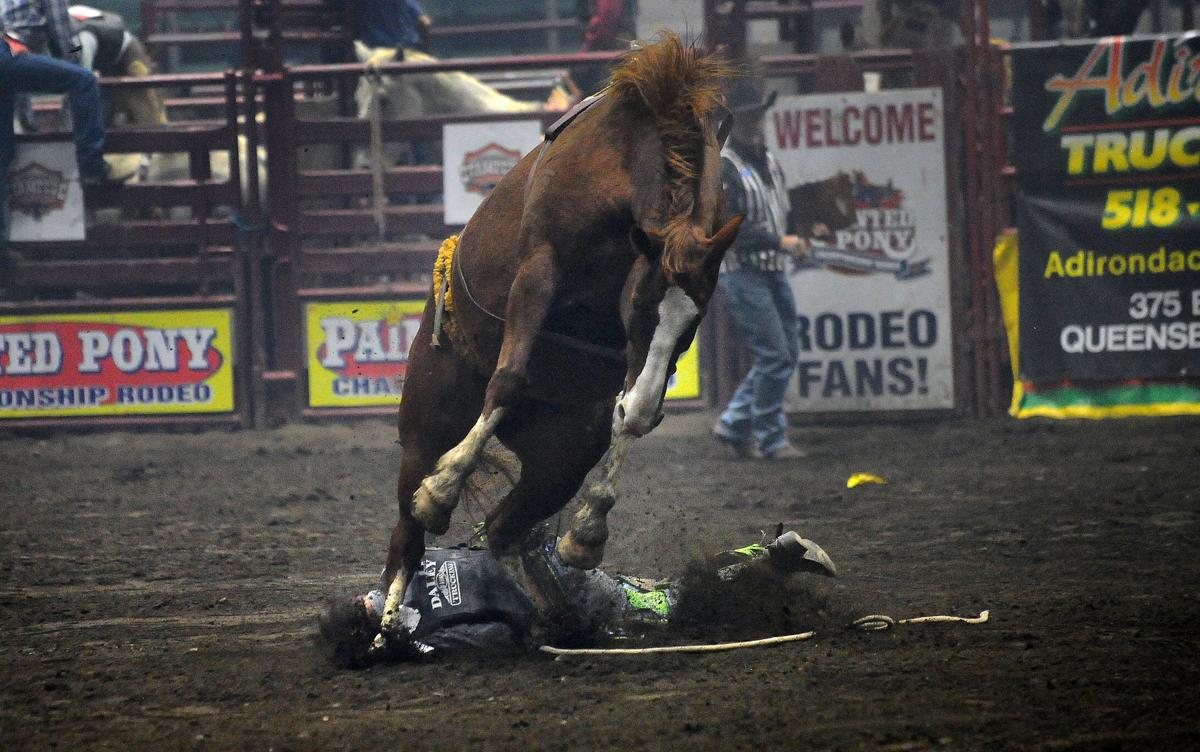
column 45, row 23
column 402, row 24
column 607, row 25
column 754, row 277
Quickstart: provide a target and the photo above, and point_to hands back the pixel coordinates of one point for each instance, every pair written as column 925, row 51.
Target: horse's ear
column 724, row 125
column 724, row 237
column 716, row 246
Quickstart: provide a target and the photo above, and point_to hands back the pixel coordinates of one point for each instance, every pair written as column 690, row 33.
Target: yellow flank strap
column 444, row 318
column 441, row 272
column 443, row 314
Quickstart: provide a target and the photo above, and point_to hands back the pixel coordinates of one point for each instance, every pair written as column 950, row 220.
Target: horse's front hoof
column 431, row 509
column 580, row 555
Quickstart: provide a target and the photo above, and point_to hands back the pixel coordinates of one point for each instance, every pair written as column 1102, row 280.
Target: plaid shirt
column 49, row 15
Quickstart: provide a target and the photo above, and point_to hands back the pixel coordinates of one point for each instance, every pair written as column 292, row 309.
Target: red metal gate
column 324, row 243
column 173, row 245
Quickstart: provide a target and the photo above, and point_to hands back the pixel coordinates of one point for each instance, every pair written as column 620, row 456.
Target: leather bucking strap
column 557, row 127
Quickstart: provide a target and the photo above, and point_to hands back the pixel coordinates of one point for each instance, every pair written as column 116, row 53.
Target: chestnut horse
column 586, row 271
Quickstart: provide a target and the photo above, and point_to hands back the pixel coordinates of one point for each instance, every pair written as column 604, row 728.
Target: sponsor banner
column 873, row 305
column 474, row 158
column 1108, row 209
column 1088, row 400
column 358, row 354
column 126, row 363
column 358, row 351
column 45, row 199
column 684, row 384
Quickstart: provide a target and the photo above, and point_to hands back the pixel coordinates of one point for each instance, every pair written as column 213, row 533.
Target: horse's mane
column 680, row 86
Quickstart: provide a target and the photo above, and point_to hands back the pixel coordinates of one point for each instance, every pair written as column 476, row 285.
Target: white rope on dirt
column 710, row 648
column 981, row 619
column 880, row 622
column 869, row 623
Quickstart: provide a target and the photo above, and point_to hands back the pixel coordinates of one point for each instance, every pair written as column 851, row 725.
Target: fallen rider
column 464, row 598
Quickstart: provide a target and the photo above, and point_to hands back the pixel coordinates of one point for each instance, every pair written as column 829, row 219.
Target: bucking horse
column 555, row 319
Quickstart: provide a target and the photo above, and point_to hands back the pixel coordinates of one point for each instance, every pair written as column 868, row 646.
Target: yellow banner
column 357, row 354
column 685, row 384
column 1083, row 400
column 116, row 363
column 358, row 351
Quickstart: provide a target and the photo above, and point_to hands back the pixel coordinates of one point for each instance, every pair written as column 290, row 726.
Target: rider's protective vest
column 458, row 586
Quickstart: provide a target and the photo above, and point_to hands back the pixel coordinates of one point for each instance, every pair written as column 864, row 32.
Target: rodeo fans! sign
column 874, row 304
column 1108, row 165
column 89, row 364
column 358, row 354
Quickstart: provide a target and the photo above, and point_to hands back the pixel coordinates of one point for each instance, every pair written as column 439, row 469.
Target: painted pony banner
column 873, row 307
column 358, row 351
column 1108, row 166
column 120, row 363
column 358, row 354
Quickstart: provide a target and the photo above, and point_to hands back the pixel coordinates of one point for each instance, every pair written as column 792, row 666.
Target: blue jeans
column 40, row 74
column 765, row 313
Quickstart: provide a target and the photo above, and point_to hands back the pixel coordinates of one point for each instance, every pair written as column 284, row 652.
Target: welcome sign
column 873, row 306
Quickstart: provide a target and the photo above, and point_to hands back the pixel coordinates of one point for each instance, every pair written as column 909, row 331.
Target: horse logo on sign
column 36, row 190
column 482, row 169
column 882, row 241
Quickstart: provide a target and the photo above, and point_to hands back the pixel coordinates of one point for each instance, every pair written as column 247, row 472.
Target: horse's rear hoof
column 579, row 555
column 433, row 515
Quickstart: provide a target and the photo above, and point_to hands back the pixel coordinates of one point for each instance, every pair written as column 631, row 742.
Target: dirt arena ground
column 158, row 591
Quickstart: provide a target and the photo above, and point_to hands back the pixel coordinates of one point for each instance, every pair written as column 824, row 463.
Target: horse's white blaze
column 676, row 313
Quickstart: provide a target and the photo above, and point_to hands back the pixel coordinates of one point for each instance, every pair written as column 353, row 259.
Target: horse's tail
column 680, row 86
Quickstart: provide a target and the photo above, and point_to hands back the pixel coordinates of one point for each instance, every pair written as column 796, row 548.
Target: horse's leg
column 557, row 447
column 583, row 545
column 532, row 291
column 442, row 394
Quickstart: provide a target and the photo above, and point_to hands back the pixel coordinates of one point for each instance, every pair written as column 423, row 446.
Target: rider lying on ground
column 463, row 598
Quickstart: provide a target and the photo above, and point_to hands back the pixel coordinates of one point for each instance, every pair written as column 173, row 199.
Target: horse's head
column 415, row 94
column 661, row 310
column 678, row 203
column 829, row 202
column 398, row 97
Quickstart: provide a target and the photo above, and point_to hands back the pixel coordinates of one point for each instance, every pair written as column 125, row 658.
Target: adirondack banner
column 116, row 363
column 358, row 354
column 1108, row 273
